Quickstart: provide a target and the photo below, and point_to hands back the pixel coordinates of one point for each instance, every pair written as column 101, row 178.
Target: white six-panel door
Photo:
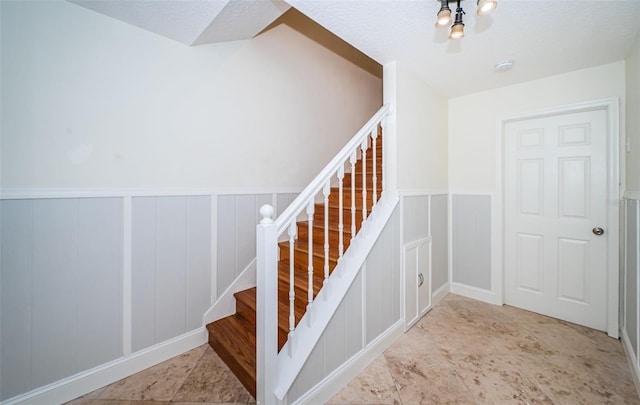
column 555, row 195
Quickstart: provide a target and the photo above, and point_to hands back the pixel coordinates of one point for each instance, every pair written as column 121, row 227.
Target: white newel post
column 267, row 307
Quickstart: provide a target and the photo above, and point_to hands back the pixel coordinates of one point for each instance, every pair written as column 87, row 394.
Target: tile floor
column 462, row 352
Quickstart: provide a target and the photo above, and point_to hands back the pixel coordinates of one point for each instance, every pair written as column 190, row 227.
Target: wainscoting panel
column 632, row 267
column 55, row 232
column 198, row 260
column 439, row 242
column 15, row 307
column 99, row 281
column 353, row 316
column 415, row 211
column 143, row 260
column 91, row 278
column 165, row 264
column 170, row 268
column 471, row 247
column 382, row 281
column 61, row 289
column 226, row 251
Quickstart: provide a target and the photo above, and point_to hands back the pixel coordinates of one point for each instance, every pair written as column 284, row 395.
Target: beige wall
column 91, row 102
column 421, row 134
column 474, row 120
column 633, row 117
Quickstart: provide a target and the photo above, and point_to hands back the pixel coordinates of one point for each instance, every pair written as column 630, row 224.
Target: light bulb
column 486, row 7
column 457, row 31
column 444, row 18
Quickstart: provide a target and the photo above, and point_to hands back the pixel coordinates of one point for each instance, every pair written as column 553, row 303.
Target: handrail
column 292, row 211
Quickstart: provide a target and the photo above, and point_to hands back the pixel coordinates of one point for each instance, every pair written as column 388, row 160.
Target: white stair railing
column 268, row 235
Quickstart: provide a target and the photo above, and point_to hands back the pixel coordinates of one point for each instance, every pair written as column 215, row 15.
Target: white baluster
column 340, row 212
column 326, row 190
column 363, row 147
column 293, row 234
column 352, row 160
column 310, row 210
column 374, row 136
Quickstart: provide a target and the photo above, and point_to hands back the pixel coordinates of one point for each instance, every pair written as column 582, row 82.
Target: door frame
column 614, row 196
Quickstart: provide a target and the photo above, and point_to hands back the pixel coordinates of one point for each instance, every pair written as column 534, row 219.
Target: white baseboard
column 631, row 359
column 439, row 294
column 475, row 293
column 90, row 380
column 334, row 382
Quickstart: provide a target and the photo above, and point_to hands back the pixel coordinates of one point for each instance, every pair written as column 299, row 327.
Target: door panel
column 530, row 186
column 555, row 194
column 572, row 260
column 530, row 262
column 573, row 187
column 417, row 271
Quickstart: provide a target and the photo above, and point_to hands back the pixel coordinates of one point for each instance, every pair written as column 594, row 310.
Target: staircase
column 234, row 337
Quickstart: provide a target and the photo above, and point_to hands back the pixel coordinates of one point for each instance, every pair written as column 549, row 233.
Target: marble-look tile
column 567, row 339
column 497, row 379
column 442, row 320
column 88, row 398
column 372, row 386
column 473, row 311
column 158, row 383
column 604, row 347
column 460, row 342
column 580, row 380
column 123, row 402
column 201, row 403
column 517, row 315
column 510, row 338
column 422, row 380
column 416, row 340
column 212, row 381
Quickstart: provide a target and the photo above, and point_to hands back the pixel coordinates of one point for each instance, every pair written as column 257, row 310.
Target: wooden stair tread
column 234, row 340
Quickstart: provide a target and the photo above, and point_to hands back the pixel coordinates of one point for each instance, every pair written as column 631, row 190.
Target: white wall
column 421, row 134
column 91, row 102
column 633, row 117
column 474, row 120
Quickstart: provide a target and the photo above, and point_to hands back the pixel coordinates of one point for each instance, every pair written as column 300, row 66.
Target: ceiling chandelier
column 485, row 7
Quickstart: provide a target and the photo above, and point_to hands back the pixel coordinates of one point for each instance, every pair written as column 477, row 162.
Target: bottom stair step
column 234, row 339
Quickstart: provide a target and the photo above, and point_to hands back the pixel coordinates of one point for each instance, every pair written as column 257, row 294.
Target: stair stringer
column 225, row 305
column 298, row 348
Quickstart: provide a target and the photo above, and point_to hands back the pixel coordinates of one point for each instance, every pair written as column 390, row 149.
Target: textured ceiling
column 193, row 22
column 543, row 37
